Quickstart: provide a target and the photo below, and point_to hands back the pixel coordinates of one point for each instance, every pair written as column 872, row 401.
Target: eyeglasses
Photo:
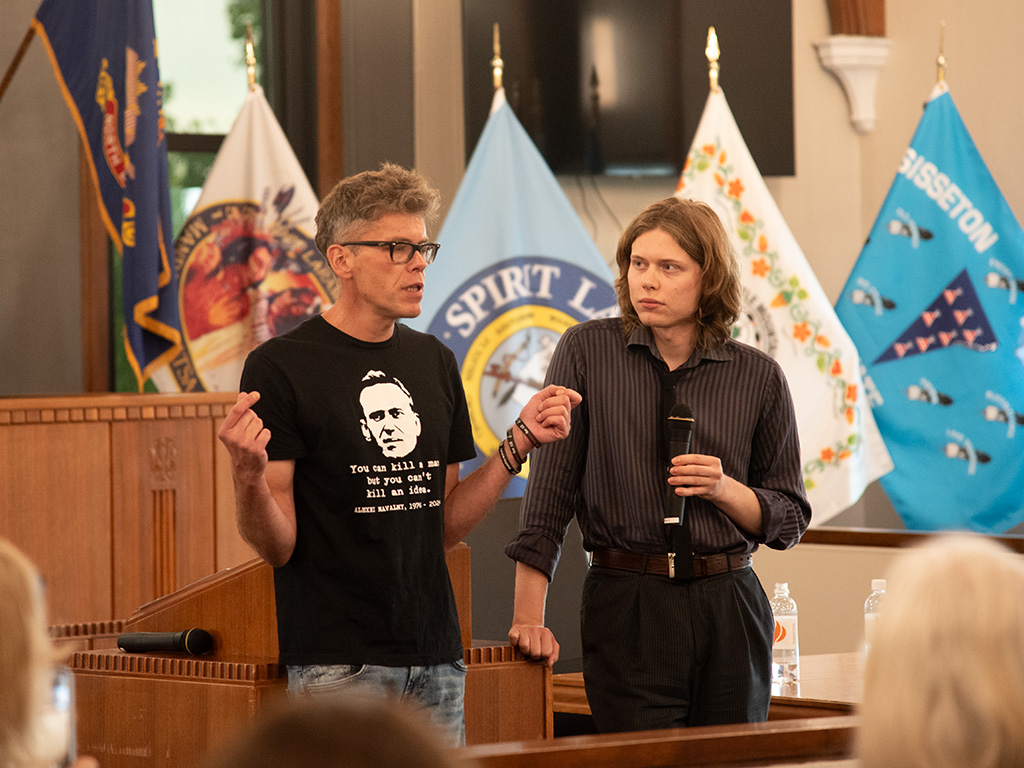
column 401, row 252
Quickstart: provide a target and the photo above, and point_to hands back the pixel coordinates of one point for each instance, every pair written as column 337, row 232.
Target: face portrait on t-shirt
column 389, row 419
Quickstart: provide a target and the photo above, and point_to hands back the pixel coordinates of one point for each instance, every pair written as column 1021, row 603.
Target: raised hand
column 245, row 437
column 547, row 414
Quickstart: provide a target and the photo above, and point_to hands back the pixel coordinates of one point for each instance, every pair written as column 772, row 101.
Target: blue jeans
column 440, row 690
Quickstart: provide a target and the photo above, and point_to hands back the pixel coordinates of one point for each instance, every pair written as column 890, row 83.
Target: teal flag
column 104, row 55
column 935, row 305
column 515, row 270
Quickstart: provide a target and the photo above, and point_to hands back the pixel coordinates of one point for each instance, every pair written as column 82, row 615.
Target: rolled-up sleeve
column 775, row 473
column 552, row 493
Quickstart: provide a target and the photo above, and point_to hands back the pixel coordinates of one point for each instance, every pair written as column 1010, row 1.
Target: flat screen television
column 618, row 86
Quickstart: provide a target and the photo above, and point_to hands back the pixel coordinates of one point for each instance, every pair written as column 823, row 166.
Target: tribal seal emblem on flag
column 247, row 275
column 503, row 324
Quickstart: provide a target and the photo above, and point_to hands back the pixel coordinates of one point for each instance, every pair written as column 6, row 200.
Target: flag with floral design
column 787, row 314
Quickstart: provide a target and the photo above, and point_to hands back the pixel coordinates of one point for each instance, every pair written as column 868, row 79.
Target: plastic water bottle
column 786, row 646
column 872, row 608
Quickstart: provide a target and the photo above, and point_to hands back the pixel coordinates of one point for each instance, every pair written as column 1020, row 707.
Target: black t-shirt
column 372, row 428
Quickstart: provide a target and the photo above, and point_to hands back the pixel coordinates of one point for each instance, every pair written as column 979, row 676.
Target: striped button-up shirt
column 610, row 474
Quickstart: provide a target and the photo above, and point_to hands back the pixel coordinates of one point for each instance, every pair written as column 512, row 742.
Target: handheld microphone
column 680, row 429
column 192, row 641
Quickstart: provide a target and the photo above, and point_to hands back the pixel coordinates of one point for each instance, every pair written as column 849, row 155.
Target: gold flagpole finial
column 712, row 53
column 250, row 56
column 940, row 61
column 497, row 65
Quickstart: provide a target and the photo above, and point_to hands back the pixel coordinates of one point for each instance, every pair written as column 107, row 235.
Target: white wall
column 830, row 584
column 40, row 282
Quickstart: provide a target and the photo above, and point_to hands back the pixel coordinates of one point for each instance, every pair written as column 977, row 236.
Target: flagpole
column 940, row 61
column 250, row 57
column 9, row 75
column 712, row 53
column 497, row 65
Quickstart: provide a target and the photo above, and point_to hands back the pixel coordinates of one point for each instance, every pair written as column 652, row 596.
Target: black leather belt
column 664, row 565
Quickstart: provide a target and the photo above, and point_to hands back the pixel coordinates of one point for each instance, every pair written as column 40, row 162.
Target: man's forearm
column 262, row 523
column 531, row 595
column 528, row 632
column 472, row 498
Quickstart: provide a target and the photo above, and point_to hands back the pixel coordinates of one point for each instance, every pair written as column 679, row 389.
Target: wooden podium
column 126, row 500
column 145, row 710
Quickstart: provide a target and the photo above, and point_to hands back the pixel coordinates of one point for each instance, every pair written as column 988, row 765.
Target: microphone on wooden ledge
column 192, row 641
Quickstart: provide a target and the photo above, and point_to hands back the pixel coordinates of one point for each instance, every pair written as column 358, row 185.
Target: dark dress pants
column 660, row 653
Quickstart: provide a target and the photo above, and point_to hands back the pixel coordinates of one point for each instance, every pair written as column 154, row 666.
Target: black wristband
column 506, row 462
column 512, row 447
column 526, row 431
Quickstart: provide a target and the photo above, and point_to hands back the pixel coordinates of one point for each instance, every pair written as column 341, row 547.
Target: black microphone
column 680, row 428
column 193, row 641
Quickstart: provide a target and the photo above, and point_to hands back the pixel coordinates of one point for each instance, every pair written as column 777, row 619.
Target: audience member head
column 365, row 197
column 944, row 680
column 350, row 731
column 26, row 659
column 698, row 231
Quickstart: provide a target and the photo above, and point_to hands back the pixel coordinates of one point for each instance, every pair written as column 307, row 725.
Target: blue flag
column 515, row 270
column 105, row 59
column 935, row 304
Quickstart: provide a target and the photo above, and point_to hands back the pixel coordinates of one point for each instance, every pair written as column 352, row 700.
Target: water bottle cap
column 782, row 586
column 878, row 585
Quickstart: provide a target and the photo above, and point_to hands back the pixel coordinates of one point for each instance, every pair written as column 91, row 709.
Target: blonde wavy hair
column 26, row 659
column 944, row 680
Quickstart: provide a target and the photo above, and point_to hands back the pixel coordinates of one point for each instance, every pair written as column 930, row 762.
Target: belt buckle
column 671, row 565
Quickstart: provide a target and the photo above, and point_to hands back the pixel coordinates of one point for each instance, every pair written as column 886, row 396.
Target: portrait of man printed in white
column 389, row 418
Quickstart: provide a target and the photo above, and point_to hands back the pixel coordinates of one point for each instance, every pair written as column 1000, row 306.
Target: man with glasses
column 357, row 534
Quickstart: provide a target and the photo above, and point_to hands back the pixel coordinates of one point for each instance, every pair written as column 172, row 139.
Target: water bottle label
column 785, row 633
column 870, row 620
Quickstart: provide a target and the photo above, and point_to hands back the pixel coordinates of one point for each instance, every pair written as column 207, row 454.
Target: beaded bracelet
column 526, row 431
column 512, row 447
column 506, row 462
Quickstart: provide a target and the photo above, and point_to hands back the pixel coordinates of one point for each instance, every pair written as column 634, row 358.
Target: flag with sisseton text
column 515, row 270
column 245, row 257
column 787, row 314
column 104, row 55
column 935, row 303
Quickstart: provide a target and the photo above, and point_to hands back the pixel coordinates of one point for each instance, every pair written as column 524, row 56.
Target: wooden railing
column 762, row 744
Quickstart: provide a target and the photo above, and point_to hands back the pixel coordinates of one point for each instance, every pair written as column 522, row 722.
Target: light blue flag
column 515, row 270
column 935, row 304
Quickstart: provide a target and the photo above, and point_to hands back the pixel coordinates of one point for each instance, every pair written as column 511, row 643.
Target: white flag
column 247, row 263
column 787, row 314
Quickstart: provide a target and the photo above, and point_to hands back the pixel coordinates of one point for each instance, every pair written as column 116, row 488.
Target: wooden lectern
column 122, row 499
column 146, row 710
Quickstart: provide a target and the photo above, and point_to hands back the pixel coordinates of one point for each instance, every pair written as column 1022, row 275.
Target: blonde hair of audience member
column 344, row 731
column 944, row 679
column 26, row 658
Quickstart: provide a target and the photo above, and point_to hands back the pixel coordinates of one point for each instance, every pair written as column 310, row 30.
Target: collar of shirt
column 643, row 337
